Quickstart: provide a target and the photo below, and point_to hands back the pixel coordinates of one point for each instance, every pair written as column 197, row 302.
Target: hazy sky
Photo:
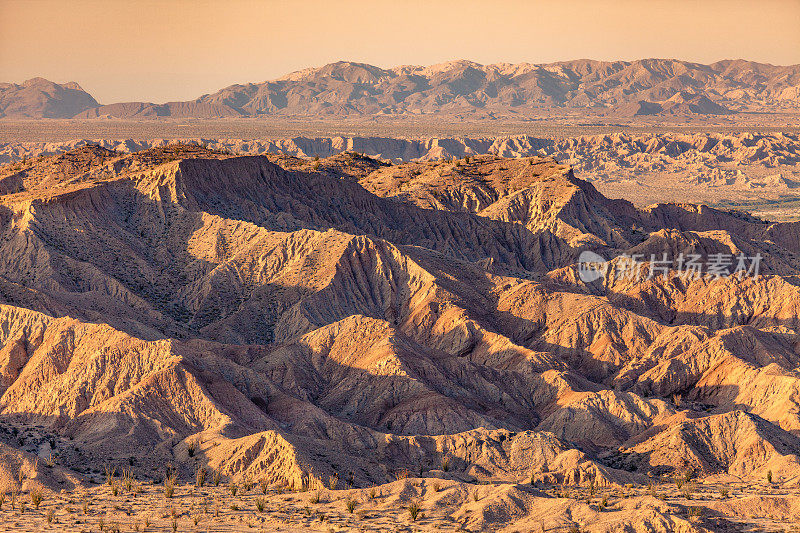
column 179, row 49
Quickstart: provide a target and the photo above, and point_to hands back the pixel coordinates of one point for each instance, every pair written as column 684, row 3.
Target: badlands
column 194, row 339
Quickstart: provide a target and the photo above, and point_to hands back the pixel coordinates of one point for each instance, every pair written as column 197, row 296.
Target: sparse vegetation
column 414, row 510
column 191, row 447
column 37, row 495
column 200, row 477
column 110, row 472
column 169, row 485
column 127, row 479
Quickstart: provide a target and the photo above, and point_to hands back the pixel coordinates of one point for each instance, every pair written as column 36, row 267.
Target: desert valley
column 556, row 297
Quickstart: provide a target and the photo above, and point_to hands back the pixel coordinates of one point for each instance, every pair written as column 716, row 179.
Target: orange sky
column 179, row 49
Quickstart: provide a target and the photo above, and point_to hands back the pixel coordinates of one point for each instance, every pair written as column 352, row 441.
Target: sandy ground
column 442, row 504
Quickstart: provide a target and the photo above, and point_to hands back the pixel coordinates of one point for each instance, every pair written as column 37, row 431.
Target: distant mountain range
column 615, row 89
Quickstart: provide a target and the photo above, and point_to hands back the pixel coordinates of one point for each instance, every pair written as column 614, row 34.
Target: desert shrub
column 233, row 488
column 261, row 504
column 351, row 505
column 169, row 485
column 36, row 497
column 127, row 478
column 110, row 472
column 414, row 510
column 200, row 477
column 445, row 463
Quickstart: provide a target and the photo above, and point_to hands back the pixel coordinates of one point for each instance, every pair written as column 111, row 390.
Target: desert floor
column 443, row 505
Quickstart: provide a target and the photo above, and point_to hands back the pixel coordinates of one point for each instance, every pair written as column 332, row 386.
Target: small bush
column 769, row 476
column 233, row 488
column 333, row 481
column 264, row 484
column 200, row 477
column 217, row 478
column 351, row 505
column 261, row 504
column 110, row 472
column 169, row 485
column 414, row 510
column 316, row 497
column 445, row 463
column 36, row 497
column 127, row 479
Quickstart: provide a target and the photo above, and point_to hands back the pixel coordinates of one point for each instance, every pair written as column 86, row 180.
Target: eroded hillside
column 296, row 321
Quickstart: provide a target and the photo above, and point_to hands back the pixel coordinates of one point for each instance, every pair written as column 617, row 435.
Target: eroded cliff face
column 295, row 322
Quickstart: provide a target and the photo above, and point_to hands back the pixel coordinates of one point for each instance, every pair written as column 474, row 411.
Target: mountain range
column 464, row 88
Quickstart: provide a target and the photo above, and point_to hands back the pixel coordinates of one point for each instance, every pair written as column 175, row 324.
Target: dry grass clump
column 200, row 477
column 414, row 510
column 110, row 472
column 170, row 481
column 127, row 479
column 36, row 497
